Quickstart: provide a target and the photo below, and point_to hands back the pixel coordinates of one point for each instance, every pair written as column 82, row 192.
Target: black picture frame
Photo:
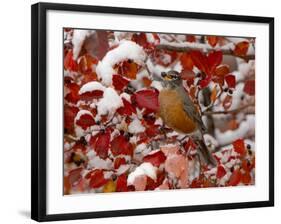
column 38, row 108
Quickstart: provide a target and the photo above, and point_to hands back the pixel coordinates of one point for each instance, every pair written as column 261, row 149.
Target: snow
column 78, row 39
column 122, row 169
column 98, row 163
column 157, row 85
column 144, row 169
column 210, row 140
column 136, row 127
column 110, row 102
column 150, row 38
column 202, row 46
column 91, row 86
column 142, row 148
column 126, row 50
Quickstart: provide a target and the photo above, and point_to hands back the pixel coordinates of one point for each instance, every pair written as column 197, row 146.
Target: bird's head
column 171, row 79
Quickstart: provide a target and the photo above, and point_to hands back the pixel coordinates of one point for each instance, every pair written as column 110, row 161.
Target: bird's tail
column 205, row 153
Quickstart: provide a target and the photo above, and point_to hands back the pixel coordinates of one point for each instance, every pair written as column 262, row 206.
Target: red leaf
column 89, row 96
column 97, row 179
column 205, row 82
column 120, row 145
column 239, row 146
column 190, row 38
column 73, row 95
column 150, row 184
column 186, row 61
column 200, row 60
column 147, row 99
column 235, row 178
column 119, row 82
column 212, row 40
column 69, row 115
column 74, row 176
column 121, row 183
column 220, row 171
column 152, row 130
column 241, row 48
column 118, row 162
column 140, row 39
column 127, row 109
column 156, row 159
column 231, row 81
column 249, row 87
column 69, row 63
column 102, row 144
column 214, row 59
column 247, row 165
column 246, row 178
column 85, row 121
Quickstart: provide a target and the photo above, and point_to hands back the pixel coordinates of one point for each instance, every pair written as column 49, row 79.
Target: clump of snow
column 126, row 50
column 140, row 151
column 110, row 102
column 98, row 163
column 122, row 169
column 78, row 39
column 144, row 169
column 91, row 86
column 136, row 127
column 142, row 148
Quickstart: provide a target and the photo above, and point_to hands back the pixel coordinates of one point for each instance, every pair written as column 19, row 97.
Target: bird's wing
column 191, row 110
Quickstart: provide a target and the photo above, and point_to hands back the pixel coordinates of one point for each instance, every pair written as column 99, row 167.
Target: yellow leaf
column 110, row 186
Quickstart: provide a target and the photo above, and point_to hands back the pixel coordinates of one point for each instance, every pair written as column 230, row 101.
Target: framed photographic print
column 139, row 111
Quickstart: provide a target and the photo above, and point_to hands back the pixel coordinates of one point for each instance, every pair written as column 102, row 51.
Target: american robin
column 179, row 112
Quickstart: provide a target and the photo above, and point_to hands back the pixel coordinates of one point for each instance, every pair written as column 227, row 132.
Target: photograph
column 149, row 111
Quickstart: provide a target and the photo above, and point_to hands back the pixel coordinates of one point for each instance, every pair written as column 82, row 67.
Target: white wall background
column 15, row 110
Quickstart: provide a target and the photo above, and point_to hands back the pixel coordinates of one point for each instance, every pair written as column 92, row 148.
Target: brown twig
column 228, row 111
column 187, row 49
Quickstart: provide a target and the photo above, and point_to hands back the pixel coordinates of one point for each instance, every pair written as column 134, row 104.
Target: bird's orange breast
column 172, row 112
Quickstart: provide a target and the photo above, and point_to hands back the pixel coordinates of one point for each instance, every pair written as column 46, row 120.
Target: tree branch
column 229, row 111
column 189, row 48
